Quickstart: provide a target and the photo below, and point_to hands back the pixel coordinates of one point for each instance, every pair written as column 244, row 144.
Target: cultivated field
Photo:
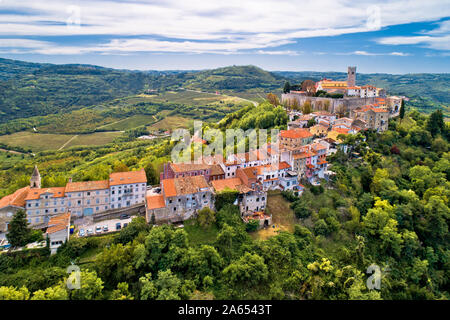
column 43, row 141
column 171, row 123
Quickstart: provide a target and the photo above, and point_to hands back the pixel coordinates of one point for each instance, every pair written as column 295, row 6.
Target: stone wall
column 318, row 103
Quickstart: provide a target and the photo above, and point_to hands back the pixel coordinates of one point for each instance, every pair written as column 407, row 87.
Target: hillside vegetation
column 388, row 207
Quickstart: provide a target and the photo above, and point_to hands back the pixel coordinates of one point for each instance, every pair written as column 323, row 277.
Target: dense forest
column 387, row 206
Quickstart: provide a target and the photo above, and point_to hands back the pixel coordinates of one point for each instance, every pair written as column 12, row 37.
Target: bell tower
column 35, row 181
column 351, row 76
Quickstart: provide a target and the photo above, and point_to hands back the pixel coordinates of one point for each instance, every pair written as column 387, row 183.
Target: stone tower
column 35, row 181
column 351, row 76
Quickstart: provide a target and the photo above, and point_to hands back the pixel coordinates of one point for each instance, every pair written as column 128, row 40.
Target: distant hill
column 427, row 91
column 236, row 78
column 38, row 89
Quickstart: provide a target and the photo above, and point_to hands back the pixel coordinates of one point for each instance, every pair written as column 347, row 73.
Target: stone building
column 180, row 199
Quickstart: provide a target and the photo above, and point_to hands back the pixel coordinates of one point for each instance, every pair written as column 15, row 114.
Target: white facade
column 126, row 195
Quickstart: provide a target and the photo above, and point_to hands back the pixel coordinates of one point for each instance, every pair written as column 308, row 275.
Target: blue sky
column 405, row 36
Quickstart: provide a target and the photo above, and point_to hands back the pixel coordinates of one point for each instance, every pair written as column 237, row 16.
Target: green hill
column 236, row 78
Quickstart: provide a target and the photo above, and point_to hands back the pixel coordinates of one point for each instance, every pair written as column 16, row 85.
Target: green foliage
column 206, row 217
column 19, row 234
column 225, row 197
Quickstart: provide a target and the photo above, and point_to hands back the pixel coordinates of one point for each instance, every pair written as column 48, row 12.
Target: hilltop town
column 316, row 128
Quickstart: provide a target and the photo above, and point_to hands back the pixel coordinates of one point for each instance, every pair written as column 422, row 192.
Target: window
column 88, row 193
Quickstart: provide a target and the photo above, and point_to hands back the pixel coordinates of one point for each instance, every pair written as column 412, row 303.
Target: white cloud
column 365, row 53
column 438, row 39
column 203, row 26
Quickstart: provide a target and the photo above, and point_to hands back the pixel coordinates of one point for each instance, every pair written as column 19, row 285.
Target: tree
column 121, row 293
column 287, row 87
column 307, row 108
column 120, row 167
column 152, row 174
column 249, row 271
column 91, row 287
column 19, row 233
column 206, row 217
column 51, row 293
column 148, row 288
column 225, row 197
column 11, row 293
column 273, row 99
column 309, row 87
column 435, row 123
column 402, row 110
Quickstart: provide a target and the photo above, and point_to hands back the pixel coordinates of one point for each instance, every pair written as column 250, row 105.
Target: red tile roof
column 128, row 177
column 35, row 194
column 58, row 223
column 16, row 199
column 184, row 185
column 297, row 133
column 155, row 202
column 87, row 186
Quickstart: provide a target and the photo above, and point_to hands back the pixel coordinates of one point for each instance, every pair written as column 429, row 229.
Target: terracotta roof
column 341, row 130
column 318, row 146
column 155, row 201
column 35, row 194
column 87, row 185
column 378, row 110
column 270, row 167
column 250, row 172
column 297, row 133
column 232, row 183
column 323, row 113
column 58, row 223
column 16, row 199
column 302, row 155
column 216, row 170
column 186, row 167
column 128, row 177
column 184, row 185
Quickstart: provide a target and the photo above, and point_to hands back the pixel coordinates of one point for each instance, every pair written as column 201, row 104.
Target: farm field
column 129, row 123
column 45, row 141
column 35, row 141
column 93, row 139
column 171, row 123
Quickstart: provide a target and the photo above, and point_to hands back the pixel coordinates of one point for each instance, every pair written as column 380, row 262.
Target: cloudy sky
column 327, row 35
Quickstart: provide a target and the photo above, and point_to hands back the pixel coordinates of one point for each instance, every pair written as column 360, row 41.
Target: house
column 42, row 203
column 249, row 200
column 122, row 189
column 374, row 118
column 294, row 138
column 301, row 122
column 127, row 188
column 179, row 200
column 58, row 231
column 318, row 130
column 10, row 204
column 87, row 197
